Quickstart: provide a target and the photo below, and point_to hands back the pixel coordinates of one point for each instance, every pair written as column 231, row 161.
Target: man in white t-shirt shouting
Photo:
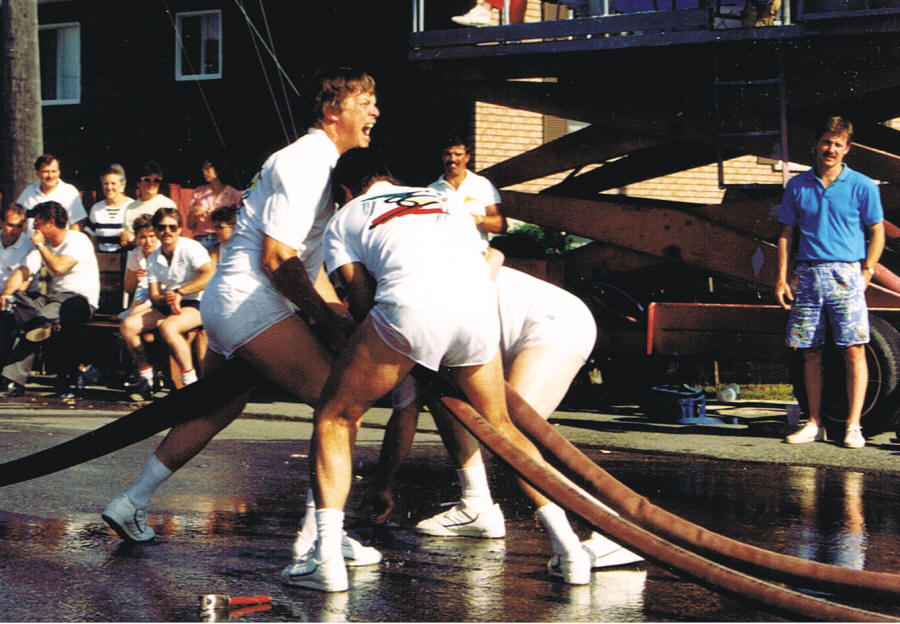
column 51, row 188
column 469, row 191
column 72, row 295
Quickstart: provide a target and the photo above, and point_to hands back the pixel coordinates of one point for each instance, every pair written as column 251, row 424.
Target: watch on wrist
column 870, row 271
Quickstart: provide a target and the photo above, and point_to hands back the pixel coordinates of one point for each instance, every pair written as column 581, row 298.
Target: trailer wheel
column 882, row 400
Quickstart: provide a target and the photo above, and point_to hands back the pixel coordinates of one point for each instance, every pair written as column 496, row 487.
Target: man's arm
column 55, row 264
column 289, row 276
column 783, row 292
column 201, row 279
column 876, row 246
column 360, row 287
column 491, row 221
column 17, row 281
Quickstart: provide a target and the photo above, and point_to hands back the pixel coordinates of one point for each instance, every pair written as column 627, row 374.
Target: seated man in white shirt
column 72, row 295
column 13, row 249
column 177, row 273
column 51, row 188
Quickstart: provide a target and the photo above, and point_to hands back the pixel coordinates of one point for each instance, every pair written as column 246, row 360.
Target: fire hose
column 558, row 488
column 811, row 574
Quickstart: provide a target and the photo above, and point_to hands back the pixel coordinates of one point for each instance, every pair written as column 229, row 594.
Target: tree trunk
column 23, row 137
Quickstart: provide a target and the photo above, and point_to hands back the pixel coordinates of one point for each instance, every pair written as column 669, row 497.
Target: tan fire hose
column 557, row 488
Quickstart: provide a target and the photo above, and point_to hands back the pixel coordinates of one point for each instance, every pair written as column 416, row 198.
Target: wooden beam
column 655, row 230
column 637, row 166
column 592, row 144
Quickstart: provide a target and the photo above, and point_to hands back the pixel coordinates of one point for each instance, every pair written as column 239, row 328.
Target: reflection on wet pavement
column 64, row 564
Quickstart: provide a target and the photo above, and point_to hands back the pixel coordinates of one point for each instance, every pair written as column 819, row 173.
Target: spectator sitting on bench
column 177, row 273
column 13, row 249
column 73, row 292
column 136, row 265
column 223, row 219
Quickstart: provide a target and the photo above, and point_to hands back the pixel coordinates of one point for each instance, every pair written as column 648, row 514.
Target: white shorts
column 455, row 331
column 233, row 314
column 573, row 331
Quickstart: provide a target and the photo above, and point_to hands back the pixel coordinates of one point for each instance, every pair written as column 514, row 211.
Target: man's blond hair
column 333, row 86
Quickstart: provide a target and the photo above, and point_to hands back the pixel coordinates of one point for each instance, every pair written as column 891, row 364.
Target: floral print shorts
column 831, row 293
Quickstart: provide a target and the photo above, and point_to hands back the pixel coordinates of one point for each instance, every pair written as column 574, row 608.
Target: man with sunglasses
column 149, row 200
column 50, row 187
column 72, row 295
column 177, row 273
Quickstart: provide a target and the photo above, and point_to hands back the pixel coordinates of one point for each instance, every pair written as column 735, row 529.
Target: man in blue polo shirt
column 831, row 206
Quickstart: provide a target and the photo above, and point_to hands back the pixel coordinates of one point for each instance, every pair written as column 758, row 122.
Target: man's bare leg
column 857, row 380
column 812, row 382
column 286, row 353
column 366, row 370
column 813, row 371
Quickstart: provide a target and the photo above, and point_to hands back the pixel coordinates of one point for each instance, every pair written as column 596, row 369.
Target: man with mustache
column 831, row 206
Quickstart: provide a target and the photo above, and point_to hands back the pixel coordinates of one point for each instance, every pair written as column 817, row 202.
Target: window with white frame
column 60, row 58
column 198, row 45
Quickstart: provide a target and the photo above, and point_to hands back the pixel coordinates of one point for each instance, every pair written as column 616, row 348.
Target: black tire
column 882, row 401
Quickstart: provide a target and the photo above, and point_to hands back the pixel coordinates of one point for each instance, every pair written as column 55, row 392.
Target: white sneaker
column 459, row 521
column 854, row 437
column 605, row 553
column 326, row 576
column 810, row 432
column 128, row 521
column 355, row 554
column 479, row 15
column 573, row 568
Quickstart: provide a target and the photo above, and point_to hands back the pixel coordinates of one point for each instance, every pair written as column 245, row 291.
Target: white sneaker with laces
column 128, row 521
column 573, row 568
column 810, row 432
column 605, row 553
column 355, row 554
column 459, row 521
column 326, row 576
column 479, row 15
column 854, row 437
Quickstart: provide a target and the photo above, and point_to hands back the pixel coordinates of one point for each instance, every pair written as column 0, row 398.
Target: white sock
column 476, row 494
column 151, row 477
column 147, row 375
column 188, row 376
column 330, row 529
column 553, row 517
column 308, row 527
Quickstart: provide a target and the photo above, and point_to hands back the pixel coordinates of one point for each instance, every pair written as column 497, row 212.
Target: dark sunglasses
column 222, row 226
column 172, row 227
column 18, row 226
column 151, row 180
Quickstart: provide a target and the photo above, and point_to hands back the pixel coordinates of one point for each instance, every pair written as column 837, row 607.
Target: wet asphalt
column 226, row 521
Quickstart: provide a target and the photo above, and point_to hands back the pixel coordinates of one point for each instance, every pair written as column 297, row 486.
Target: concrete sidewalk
column 755, row 436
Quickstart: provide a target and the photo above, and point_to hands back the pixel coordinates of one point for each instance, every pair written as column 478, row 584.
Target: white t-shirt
column 84, row 276
column 290, row 201
column 408, row 239
column 434, row 300
column 105, row 224
column 12, row 257
column 138, row 207
column 64, row 193
column 188, row 257
column 473, row 196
